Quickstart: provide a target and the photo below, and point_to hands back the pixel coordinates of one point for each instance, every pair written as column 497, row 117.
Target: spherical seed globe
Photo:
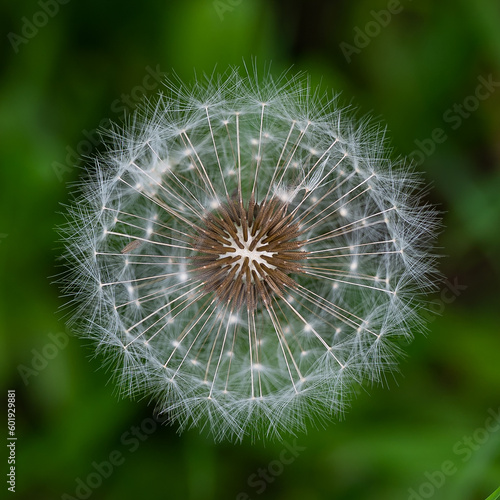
column 245, row 254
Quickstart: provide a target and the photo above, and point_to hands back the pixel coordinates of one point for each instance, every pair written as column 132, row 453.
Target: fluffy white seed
column 300, row 325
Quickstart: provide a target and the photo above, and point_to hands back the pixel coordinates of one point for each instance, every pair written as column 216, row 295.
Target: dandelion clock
column 246, row 255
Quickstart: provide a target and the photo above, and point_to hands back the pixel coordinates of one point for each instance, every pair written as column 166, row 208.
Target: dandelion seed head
column 246, row 255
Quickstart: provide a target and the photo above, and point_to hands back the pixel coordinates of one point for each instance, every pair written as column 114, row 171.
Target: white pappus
column 245, row 254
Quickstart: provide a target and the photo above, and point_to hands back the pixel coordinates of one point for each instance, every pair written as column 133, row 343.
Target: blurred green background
column 414, row 65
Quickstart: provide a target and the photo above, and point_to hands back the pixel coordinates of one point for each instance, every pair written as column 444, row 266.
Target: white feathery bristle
column 158, row 272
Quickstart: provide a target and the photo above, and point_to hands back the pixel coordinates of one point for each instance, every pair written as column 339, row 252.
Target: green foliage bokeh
column 86, row 65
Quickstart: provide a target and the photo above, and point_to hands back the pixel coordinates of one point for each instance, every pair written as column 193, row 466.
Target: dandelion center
column 246, row 254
